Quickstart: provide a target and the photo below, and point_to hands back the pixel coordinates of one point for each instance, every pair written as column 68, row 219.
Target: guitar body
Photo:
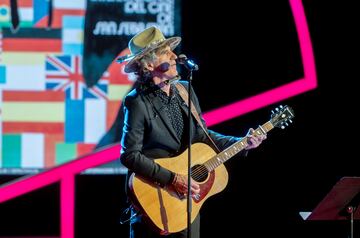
column 165, row 208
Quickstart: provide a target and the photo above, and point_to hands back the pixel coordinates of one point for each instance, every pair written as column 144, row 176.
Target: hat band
column 131, row 56
column 153, row 43
column 148, row 47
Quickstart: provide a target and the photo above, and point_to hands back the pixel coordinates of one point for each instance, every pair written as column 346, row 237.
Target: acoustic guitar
column 164, row 208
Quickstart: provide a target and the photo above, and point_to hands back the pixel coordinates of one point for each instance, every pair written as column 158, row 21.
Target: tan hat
column 142, row 43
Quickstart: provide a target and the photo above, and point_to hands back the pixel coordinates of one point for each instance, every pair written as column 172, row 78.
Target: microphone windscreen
column 163, row 67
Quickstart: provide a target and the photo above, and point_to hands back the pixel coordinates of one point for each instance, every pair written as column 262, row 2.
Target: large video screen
column 60, row 86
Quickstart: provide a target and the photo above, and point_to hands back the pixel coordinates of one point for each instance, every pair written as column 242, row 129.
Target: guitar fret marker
column 260, row 127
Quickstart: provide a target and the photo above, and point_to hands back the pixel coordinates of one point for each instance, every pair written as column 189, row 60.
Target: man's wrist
column 174, row 179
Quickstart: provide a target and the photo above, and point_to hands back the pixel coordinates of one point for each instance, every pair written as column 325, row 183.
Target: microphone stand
column 190, row 66
column 189, row 207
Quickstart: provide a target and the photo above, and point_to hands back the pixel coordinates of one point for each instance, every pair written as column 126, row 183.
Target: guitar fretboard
column 234, row 149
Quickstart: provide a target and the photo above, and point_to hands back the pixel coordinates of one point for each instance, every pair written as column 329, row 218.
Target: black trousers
column 139, row 229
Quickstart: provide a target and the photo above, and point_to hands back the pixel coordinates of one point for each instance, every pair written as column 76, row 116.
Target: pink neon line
column 103, row 156
column 27, row 184
column 309, row 82
column 67, row 206
column 255, row 102
column 304, row 41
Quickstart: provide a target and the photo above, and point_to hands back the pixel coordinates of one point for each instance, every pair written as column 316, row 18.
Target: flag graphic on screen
column 33, row 111
column 31, row 40
column 32, row 120
column 60, row 9
column 24, row 9
column 64, row 73
column 73, row 35
column 85, row 108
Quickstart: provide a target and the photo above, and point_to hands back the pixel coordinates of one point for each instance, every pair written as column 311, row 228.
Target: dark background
column 245, row 48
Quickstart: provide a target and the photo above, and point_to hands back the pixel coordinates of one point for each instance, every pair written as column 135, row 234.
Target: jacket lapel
column 160, row 109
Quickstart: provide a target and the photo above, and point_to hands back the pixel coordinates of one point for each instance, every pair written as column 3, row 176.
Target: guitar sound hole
column 199, row 173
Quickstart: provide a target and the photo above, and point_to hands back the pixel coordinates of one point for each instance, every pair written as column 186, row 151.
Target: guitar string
column 214, row 163
column 202, row 170
column 199, row 172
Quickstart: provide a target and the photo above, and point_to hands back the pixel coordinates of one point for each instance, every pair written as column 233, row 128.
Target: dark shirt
column 172, row 105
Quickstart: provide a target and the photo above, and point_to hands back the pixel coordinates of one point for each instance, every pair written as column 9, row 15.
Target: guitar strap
column 185, row 96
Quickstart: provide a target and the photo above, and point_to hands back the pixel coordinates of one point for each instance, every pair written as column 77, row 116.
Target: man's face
column 165, row 64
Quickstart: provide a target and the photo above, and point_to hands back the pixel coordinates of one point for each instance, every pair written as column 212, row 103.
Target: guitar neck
column 234, row 149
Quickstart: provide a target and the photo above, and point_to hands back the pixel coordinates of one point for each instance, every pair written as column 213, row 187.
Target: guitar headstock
column 281, row 116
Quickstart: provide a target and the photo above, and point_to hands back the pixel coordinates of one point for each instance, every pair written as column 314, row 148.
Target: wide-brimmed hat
column 142, row 43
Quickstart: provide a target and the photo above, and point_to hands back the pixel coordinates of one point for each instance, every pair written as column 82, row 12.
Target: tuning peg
column 272, row 112
column 290, row 121
column 281, row 106
column 277, row 109
column 286, row 124
column 282, row 127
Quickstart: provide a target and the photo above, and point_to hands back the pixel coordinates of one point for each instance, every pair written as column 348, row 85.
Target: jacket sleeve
column 132, row 144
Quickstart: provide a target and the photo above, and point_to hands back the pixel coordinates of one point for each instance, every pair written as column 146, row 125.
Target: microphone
column 188, row 63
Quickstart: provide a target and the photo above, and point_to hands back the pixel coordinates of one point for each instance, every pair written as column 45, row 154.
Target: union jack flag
column 64, row 73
